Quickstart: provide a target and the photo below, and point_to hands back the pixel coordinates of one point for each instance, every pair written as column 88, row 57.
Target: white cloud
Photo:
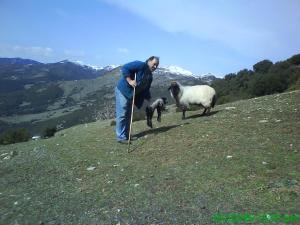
column 246, row 26
column 123, row 50
column 26, row 50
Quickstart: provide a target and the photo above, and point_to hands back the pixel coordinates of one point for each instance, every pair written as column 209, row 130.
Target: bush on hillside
column 15, row 136
column 49, row 132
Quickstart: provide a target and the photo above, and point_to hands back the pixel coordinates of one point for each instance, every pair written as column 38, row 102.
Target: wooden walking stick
column 129, row 138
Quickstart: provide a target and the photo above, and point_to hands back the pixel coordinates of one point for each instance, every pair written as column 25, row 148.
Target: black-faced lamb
column 201, row 95
column 160, row 105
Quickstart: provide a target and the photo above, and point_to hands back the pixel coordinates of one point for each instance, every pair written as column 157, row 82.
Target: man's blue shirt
column 143, row 79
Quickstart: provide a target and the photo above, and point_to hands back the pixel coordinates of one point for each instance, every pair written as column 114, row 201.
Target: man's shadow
column 200, row 115
column 156, row 130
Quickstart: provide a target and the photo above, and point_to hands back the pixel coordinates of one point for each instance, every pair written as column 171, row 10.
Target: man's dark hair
column 153, row 57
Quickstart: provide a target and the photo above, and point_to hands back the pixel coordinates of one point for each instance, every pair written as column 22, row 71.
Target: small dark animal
column 160, row 105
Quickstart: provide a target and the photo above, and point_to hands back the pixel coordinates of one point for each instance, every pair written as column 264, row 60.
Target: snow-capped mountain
column 175, row 70
column 78, row 62
column 109, row 67
column 208, row 77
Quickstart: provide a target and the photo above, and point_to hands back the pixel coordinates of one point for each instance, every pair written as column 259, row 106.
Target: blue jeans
column 123, row 114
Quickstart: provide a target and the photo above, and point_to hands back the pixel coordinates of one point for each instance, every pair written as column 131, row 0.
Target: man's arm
column 128, row 70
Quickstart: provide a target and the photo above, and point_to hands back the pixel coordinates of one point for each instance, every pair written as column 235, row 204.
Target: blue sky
column 220, row 36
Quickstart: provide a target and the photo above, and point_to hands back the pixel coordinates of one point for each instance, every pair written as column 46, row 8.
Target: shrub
column 295, row 59
column 15, row 136
column 49, row 132
column 262, row 66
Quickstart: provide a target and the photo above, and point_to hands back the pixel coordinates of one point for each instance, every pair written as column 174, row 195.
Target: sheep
column 160, row 105
column 201, row 95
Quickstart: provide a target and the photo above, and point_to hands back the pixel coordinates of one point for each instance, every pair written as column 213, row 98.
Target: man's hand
column 132, row 83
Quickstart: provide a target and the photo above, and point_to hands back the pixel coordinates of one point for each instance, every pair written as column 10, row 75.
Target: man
column 124, row 92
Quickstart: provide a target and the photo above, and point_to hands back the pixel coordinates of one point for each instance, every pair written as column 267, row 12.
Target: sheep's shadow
column 155, row 130
column 200, row 115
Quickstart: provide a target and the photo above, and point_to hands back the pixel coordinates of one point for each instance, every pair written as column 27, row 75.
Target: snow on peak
column 178, row 70
column 207, row 75
column 109, row 67
column 80, row 63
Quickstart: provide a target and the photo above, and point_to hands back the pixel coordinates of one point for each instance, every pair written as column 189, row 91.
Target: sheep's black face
column 175, row 89
column 164, row 100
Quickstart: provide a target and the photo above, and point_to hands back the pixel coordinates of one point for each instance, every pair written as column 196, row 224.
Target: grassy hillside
column 243, row 158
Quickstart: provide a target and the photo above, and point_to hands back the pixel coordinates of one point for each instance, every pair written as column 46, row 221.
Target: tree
column 49, row 132
column 262, row 66
column 15, row 136
column 229, row 76
column 294, row 60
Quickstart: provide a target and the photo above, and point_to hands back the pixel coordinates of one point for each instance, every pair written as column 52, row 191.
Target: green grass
column 176, row 173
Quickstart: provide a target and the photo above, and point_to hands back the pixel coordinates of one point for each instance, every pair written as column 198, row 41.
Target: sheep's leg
column 208, row 110
column 149, row 113
column 183, row 112
column 203, row 113
column 158, row 114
